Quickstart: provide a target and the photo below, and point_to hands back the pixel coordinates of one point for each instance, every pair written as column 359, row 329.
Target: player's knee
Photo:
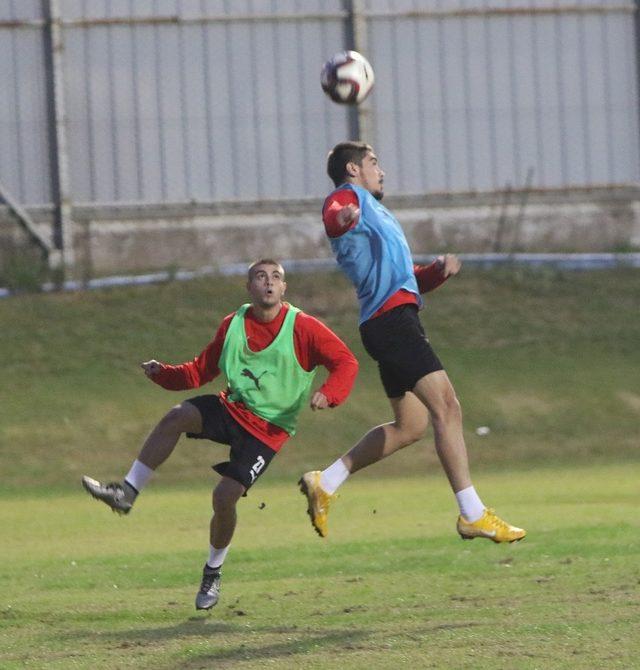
column 226, row 495
column 453, row 406
column 181, row 418
column 447, row 408
column 408, row 434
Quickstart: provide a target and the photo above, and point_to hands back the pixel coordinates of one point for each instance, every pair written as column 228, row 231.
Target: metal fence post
column 358, row 28
column 62, row 256
column 636, row 25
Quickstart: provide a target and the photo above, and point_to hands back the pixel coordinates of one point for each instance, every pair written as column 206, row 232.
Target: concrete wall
column 138, row 239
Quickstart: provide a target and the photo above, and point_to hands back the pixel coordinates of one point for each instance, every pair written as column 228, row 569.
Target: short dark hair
column 263, row 261
column 343, row 153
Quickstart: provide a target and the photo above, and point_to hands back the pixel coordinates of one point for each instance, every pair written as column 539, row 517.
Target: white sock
column 217, row 556
column 471, row 507
column 334, row 476
column 139, row 475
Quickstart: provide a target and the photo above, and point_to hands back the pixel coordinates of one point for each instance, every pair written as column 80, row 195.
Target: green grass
column 548, row 360
column 391, row 585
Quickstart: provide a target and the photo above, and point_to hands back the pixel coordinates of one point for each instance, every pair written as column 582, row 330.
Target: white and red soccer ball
column 347, row 78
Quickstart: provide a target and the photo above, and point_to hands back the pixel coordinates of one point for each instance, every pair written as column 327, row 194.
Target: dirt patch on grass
column 631, row 400
column 524, row 403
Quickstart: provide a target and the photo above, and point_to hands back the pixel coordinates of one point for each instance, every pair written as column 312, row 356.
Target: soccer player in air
column 269, row 352
column 372, row 250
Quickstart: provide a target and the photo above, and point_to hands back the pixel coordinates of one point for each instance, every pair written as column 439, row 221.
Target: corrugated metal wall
column 208, row 100
column 24, row 128
column 203, row 110
column 480, row 95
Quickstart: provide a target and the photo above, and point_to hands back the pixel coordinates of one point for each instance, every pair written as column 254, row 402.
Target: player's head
column 265, row 282
column 355, row 163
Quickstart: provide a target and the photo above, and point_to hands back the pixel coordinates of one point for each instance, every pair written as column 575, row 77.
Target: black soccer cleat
column 209, row 591
column 112, row 494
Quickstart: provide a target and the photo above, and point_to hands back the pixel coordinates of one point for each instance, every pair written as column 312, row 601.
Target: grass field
column 549, row 361
column 391, row 586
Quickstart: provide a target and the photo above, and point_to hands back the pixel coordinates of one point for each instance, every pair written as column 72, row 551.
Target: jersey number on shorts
column 256, row 467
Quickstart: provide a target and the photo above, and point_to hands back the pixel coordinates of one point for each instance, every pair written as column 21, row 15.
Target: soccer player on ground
column 371, row 249
column 268, row 351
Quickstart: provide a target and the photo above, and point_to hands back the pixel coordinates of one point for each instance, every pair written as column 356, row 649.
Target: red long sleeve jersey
column 428, row 277
column 314, row 344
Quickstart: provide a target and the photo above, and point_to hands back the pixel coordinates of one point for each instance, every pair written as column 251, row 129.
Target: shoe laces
column 208, row 579
column 496, row 521
column 116, row 489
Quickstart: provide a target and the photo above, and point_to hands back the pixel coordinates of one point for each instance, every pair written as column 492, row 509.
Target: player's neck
column 353, row 181
column 266, row 314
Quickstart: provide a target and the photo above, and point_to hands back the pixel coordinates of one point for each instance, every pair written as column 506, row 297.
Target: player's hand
column 151, row 368
column 450, row 265
column 348, row 216
column 318, row 401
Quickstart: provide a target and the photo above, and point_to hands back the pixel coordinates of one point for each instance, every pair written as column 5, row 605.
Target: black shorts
column 397, row 342
column 248, row 456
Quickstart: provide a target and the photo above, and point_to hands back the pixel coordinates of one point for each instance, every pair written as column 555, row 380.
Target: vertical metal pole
column 359, row 28
column 636, row 23
column 63, row 257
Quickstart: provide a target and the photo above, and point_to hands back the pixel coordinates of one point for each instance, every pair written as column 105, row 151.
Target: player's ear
column 352, row 169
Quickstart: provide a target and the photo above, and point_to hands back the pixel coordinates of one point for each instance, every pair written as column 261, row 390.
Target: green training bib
column 271, row 383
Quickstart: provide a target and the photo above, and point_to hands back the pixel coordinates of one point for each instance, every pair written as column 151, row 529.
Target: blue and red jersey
column 374, row 254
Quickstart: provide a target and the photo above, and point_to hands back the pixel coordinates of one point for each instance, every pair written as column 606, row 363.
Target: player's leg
column 184, row 418
column 409, row 425
column 396, row 342
column 159, row 445
column 437, row 393
column 223, row 523
column 248, row 460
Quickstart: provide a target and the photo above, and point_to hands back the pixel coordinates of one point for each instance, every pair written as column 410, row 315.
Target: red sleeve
column 315, row 345
column 429, row 277
column 335, row 202
column 202, row 369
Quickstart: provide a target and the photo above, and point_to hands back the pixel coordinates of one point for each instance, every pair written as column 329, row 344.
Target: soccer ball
column 347, row 78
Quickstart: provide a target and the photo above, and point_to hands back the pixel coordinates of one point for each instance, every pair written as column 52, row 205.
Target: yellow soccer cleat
column 318, row 499
column 491, row 526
